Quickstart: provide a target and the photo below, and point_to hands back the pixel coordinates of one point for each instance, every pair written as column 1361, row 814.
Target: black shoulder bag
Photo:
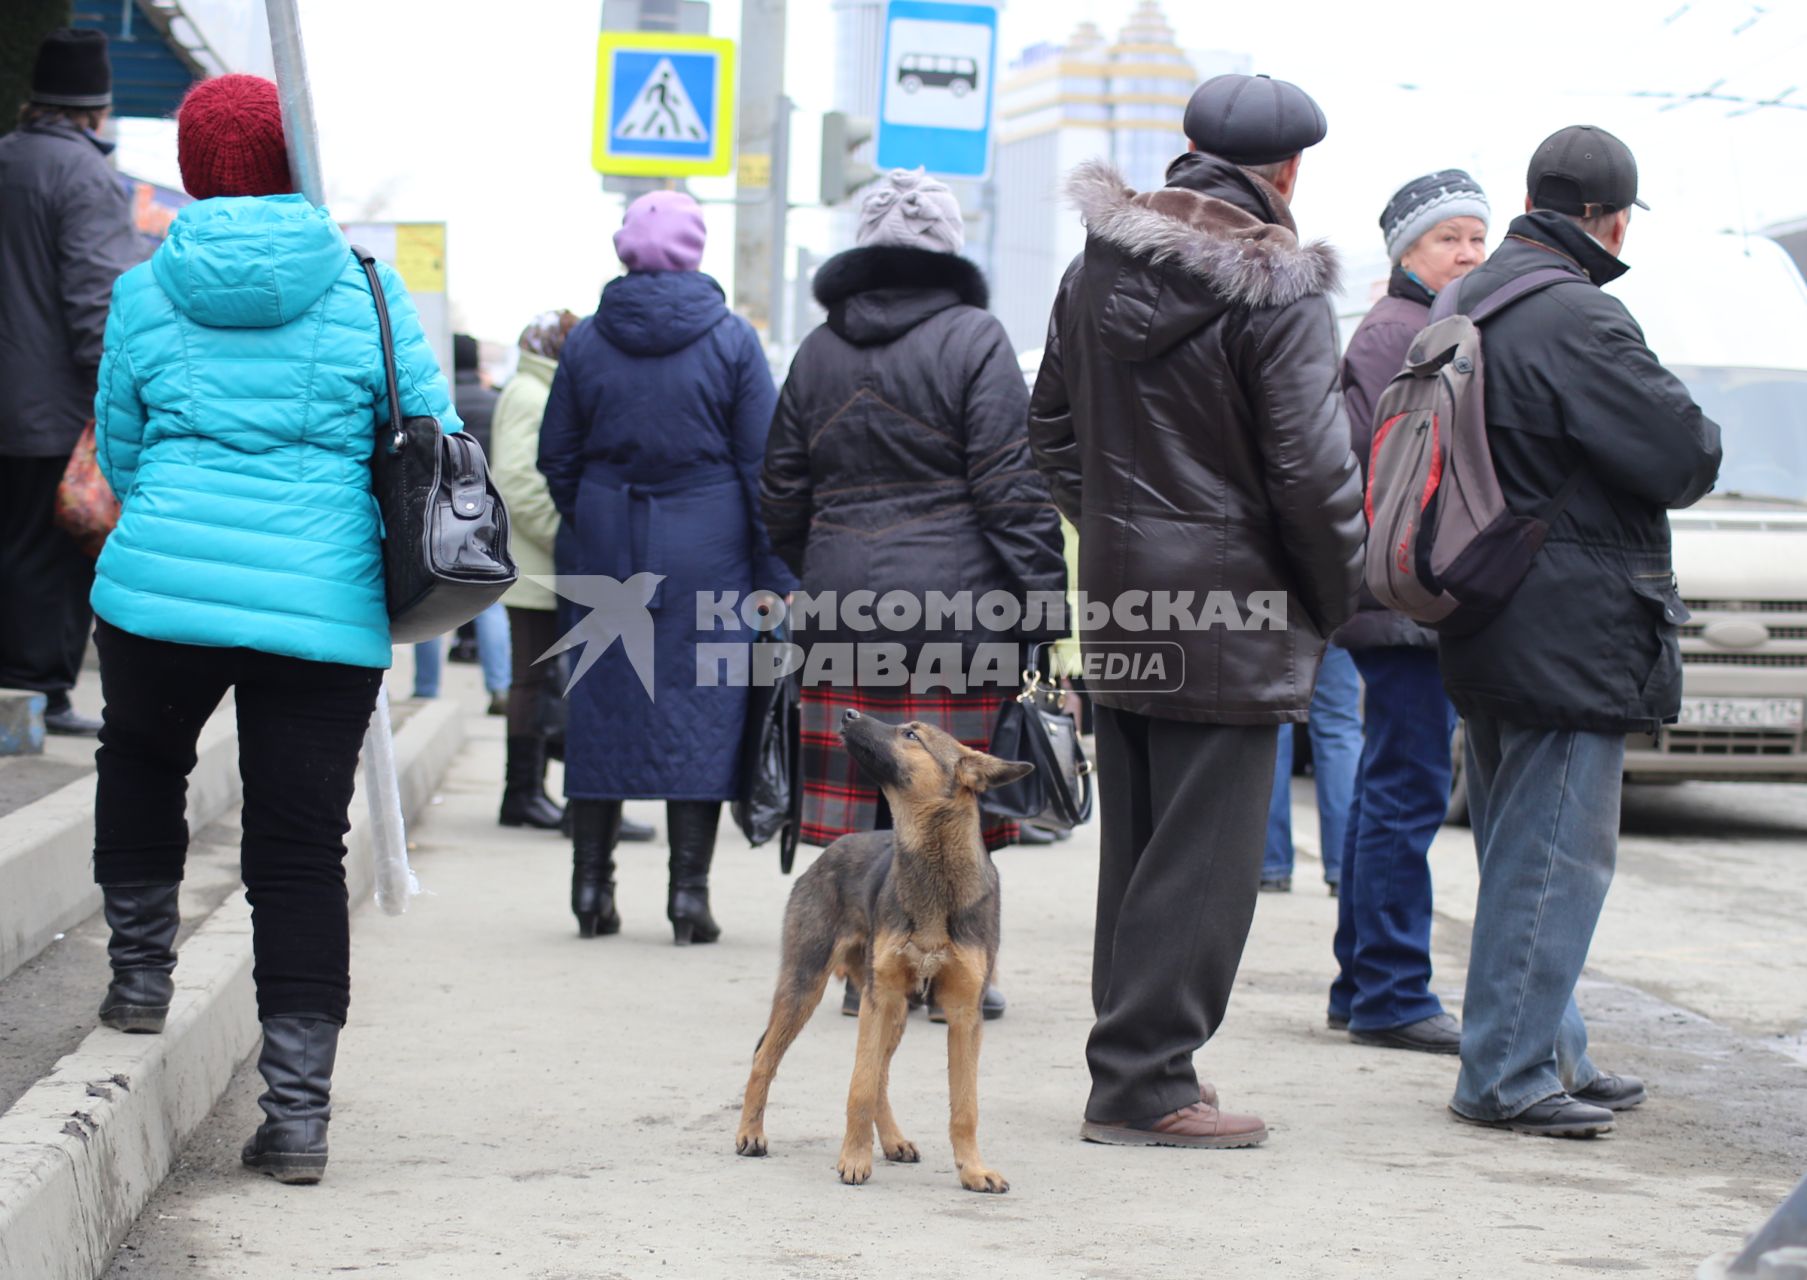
column 445, row 530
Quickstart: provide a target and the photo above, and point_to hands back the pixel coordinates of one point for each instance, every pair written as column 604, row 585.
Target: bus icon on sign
column 918, row 71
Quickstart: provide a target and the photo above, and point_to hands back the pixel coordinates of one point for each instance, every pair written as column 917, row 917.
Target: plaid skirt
column 837, row 798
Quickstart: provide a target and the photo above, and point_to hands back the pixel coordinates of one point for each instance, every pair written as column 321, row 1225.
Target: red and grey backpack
column 1443, row 548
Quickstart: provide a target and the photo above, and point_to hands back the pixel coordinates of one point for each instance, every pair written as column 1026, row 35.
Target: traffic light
column 842, row 175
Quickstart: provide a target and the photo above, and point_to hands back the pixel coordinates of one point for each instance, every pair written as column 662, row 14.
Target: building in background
column 1061, row 104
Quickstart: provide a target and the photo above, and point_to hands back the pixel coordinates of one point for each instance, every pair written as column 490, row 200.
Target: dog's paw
column 987, row 1180
column 750, row 1144
column 902, row 1151
column 855, row 1167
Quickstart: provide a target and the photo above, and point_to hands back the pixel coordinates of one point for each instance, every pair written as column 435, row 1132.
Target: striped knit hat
column 1424, row 202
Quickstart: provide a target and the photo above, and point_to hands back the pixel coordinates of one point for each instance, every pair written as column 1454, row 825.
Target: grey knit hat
column 910, row 209
column 1424, row 202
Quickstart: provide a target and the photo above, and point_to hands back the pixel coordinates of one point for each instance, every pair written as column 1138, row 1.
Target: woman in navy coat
column 652, row 444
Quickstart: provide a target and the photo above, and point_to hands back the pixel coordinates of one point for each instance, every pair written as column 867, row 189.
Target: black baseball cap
column 1583, row 171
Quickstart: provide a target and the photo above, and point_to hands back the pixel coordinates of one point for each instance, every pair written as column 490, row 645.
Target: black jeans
column 300, row 726
column 1183, row 820
column 44, row 583
column 533, row 683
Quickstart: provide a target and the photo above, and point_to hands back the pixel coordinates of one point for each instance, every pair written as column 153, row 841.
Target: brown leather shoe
column 1199, row 1125
column 1207, row 1093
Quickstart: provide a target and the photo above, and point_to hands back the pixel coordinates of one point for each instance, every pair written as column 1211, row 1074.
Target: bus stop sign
column 935, row 103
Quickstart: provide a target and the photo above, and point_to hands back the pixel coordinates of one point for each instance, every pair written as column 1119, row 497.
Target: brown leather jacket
column 1189, row 418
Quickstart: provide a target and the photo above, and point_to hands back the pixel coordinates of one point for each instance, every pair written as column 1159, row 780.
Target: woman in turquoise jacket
column 239, row 393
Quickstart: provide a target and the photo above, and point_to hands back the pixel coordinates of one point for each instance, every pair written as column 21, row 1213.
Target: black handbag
column 1031, row 727
column 770, row 797
column 445, row 529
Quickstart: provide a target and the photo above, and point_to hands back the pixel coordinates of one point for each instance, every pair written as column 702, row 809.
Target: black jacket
column 1589, row 640
column 476, row 405
column 898, row 458
column 1189, row 420
column 65, row 237
column 1376, row 354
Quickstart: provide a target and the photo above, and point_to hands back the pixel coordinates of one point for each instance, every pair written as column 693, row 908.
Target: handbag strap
column 367, row 260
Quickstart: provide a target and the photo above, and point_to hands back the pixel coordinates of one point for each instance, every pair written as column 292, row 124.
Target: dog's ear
column 980, row 772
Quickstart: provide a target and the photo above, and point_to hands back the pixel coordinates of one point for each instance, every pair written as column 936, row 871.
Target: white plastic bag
column 395, row 879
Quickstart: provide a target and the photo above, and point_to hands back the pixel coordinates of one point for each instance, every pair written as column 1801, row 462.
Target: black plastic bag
column 770, row 800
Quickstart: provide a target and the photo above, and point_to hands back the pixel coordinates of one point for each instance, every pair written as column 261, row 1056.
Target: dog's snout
column 849, row 716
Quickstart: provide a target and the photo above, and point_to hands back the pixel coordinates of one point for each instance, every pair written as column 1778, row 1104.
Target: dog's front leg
column 961, row 986
column 891, row 1140
column 882, row 1011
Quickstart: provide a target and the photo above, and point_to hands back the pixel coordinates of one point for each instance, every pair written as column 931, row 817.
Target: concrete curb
column 83, row 1150
column 47, row 852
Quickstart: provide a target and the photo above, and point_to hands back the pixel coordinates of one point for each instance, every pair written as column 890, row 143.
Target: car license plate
column 1740, row 713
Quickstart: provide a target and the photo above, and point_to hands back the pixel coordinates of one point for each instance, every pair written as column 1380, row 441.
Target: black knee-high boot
column 595, row 827
column 524, row 799
column 692, row 825
column 296, row 1063
column 144, row 920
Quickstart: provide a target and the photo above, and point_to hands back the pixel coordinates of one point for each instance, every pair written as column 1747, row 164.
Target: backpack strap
column 1523, row 286
column 1559, row 501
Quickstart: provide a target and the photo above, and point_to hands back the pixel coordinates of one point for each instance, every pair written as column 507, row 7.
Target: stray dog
column 895, row 910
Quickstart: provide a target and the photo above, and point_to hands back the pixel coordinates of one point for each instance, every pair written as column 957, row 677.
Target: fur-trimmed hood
column 880, row 292
column 1215, row 223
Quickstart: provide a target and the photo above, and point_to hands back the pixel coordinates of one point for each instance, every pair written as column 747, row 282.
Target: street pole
column 297, row 98
column 781, row 212
column 758, row 221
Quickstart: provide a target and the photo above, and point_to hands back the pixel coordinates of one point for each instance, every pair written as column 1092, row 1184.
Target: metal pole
column 296, row 97
column 781, row 210
column 761, row 86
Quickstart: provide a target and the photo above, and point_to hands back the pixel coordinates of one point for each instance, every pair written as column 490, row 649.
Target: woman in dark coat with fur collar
column 899, row 462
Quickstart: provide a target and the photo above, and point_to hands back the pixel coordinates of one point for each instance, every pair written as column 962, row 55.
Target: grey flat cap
column 1252, row 120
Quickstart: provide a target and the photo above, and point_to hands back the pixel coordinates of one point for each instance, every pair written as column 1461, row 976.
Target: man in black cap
column 1189, row 419
column 65, row 236
column 1588, row 431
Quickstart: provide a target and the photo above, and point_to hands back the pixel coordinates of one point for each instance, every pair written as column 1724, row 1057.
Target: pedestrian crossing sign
column 664, row 105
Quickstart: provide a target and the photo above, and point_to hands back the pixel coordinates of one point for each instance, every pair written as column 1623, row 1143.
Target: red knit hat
column 229, row 139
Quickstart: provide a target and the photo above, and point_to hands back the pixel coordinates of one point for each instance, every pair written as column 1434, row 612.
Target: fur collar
column 1249, row 261
column 894, row 267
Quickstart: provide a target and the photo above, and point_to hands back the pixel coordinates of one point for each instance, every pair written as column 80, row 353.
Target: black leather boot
column 595, row 826
column 524, row 799
column 296, row 1063
column 692, row 825
column 144, row 919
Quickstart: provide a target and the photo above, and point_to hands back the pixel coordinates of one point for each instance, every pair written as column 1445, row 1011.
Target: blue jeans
column 493, row 655
column 1336, row 744
column 1545, row 808
column 429, row 661
column 1383, row 928
column 495, row 651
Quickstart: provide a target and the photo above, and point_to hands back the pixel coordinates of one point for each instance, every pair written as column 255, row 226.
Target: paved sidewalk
column 513, row 1101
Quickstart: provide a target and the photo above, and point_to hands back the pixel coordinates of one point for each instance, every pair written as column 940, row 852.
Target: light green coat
column 514, row 437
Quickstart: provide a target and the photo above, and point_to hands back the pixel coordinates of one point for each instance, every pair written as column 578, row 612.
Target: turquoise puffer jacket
column 239, row 392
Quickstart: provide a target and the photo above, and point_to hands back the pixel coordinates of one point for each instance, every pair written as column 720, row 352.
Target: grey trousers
column 1183, row 811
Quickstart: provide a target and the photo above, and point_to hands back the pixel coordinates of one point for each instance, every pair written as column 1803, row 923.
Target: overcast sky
column 426, row 113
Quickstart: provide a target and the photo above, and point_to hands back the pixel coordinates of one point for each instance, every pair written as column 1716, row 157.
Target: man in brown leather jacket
column 1189, row 419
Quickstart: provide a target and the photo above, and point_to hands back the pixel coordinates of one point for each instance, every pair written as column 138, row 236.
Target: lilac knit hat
column 661, row 231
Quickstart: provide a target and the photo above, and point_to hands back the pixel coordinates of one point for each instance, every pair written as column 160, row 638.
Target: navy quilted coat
column 652, row 444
